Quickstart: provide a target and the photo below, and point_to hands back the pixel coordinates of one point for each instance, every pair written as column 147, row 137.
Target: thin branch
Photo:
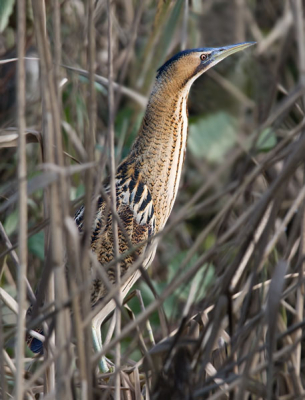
column 113, row 199
column 297, row 7
column 22, row 203
column 8, row 244
column 90, row 133
column 57, row 201
column 185, row 25
column 132, row 94
column 3, row 382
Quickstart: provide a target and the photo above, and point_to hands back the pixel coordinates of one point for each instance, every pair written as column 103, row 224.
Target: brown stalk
column 297, row 9
column 184, row 30
column 274, row 296
column 84, row 333
column 113, row 199
column 240, row 21
column 8, row 244
column 3, row 390
column 57, row 199
column 22, row 203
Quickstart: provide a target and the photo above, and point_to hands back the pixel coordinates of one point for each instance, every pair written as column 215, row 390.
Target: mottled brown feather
column 133, row 202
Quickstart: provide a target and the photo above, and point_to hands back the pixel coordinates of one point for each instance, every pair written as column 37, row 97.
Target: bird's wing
column 136, row 212
column 134, row 207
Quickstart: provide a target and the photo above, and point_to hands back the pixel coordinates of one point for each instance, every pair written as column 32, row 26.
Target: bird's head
column 185, row 67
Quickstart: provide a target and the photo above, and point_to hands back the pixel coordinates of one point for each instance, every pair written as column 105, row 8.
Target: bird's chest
column 166, row 179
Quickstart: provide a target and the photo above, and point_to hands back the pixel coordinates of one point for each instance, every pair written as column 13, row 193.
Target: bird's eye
column 203, row 57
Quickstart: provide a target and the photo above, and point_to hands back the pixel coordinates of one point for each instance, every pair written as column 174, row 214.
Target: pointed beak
column 221, row 53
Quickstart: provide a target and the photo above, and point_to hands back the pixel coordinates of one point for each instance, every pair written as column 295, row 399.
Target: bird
column 147, row 180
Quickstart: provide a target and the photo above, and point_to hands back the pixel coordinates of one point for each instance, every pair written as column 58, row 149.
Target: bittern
column 147, row 180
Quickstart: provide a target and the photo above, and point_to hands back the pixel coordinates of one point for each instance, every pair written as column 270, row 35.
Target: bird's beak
column 221, row 53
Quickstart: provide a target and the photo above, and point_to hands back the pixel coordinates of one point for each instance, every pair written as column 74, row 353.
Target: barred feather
column 136, row 211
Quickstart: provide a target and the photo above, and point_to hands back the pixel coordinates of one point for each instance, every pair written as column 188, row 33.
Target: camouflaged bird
column 147, row 181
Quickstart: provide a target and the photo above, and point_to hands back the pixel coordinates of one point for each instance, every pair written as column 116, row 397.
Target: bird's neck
column 159, row 149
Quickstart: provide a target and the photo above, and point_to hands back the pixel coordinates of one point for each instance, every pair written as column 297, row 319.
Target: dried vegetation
column 226, row 317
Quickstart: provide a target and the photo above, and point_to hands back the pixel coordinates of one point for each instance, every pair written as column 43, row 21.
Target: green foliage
column 6, row 9
column 11, row 222
column 9, row 318
column 77, row 192
column 267, row 140
column 204, row 277
column 212, row 136
column 127, row 125
column 36, row 245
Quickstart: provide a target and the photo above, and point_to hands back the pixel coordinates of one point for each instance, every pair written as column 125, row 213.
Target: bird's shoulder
column 133, row 192
column 134, row 203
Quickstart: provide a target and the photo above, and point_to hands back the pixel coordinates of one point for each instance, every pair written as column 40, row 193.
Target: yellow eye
column 203, row 57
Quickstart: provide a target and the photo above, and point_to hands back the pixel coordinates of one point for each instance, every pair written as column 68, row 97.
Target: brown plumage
column 147, row 181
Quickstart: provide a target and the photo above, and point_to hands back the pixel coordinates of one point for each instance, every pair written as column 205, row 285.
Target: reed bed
column 220, row 314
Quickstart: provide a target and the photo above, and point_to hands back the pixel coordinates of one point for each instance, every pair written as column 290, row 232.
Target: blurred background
column 239, row 113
